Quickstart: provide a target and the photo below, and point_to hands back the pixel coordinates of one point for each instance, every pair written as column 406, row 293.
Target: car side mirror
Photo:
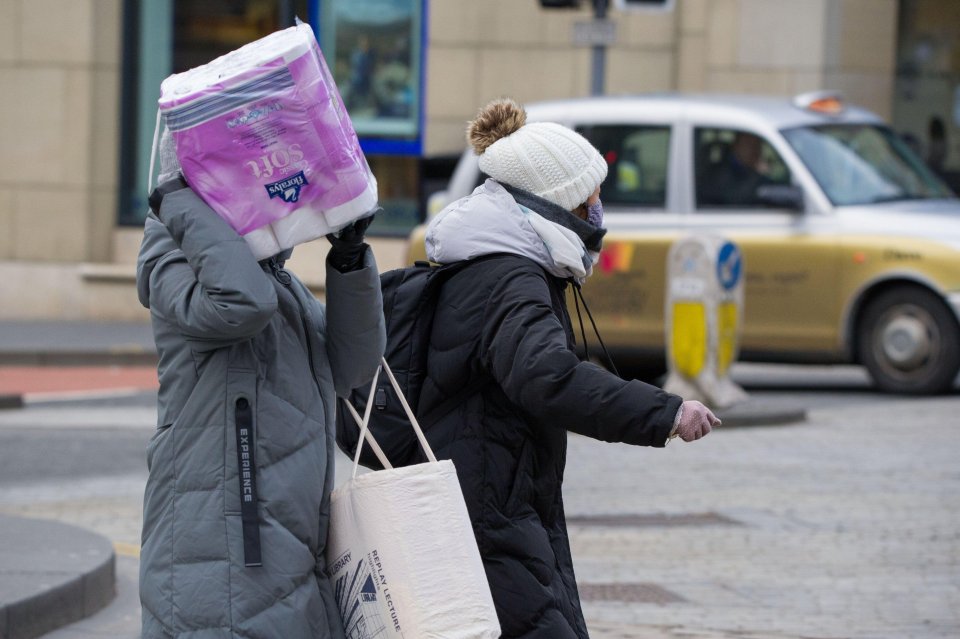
column 781, row 196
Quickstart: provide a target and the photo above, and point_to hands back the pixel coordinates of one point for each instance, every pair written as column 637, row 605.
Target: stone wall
column 59, row 126
column 481, row 50
column 62, row 255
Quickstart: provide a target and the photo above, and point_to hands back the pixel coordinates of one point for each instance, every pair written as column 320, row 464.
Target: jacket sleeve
column 525, row 348
column 356, row 335
column 213, row 288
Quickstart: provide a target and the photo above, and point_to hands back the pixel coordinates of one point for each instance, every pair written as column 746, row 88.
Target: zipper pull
column 282, row 276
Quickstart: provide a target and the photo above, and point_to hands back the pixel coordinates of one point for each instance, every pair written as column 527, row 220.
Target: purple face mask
column 595, row 214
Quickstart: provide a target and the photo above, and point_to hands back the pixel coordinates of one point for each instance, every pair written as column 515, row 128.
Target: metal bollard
column 704, row 311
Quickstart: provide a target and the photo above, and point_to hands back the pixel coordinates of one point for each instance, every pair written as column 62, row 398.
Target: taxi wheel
column 908, row 340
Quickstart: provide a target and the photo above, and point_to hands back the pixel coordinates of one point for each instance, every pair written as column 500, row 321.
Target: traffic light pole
column 598, row 34
column 286, row 13
column 599, row 66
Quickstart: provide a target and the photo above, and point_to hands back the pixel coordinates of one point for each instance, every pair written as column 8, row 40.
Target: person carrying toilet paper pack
column 241, row 466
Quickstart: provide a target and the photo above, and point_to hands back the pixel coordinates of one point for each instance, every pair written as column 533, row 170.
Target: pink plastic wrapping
column 262, row 136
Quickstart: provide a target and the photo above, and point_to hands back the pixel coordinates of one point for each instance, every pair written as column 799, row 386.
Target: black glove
column 171, row 185
column 347, row 247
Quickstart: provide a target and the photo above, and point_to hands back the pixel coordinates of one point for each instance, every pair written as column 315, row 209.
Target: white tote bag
column 401, row 553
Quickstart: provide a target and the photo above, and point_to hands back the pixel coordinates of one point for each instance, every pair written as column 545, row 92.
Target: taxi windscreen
column 859, row 164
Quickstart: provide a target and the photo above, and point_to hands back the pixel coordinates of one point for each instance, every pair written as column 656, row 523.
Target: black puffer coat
column 502, row 329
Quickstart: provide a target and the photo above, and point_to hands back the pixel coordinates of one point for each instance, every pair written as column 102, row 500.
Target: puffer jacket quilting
column 502, row 347
column 506, row 317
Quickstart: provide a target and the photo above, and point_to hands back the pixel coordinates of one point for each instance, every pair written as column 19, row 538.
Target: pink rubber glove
column 695, row 421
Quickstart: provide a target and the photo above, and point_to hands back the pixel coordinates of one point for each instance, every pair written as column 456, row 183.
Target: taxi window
column 730, row 166
column 864, row 164
column 638, row 157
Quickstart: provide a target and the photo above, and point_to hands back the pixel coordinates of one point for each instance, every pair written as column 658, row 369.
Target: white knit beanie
column 544, row 158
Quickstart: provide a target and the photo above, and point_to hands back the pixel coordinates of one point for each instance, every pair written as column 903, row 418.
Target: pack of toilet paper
column 263, row 137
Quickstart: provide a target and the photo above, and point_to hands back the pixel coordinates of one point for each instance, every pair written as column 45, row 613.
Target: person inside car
column 734, row 180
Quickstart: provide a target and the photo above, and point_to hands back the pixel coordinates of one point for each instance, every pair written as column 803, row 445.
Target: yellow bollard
column 689, row 339
column 727, row 331
column 704, row 309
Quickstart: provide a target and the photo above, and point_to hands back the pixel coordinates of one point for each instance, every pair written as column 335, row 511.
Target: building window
column 375, row 52
column 398, row 186
column 169, row 36
column 926, row 107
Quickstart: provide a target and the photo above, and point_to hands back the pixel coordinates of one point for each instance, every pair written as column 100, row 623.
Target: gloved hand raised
column 347, row 247
column 696, row 420
column 173, row 183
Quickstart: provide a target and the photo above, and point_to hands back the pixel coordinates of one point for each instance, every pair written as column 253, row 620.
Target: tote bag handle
column 365, row 433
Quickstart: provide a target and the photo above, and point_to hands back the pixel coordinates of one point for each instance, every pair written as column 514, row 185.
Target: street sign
column 729, row 265
column 592, row 33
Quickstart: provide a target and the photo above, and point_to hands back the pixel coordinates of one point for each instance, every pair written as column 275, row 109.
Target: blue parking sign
column 729, row 265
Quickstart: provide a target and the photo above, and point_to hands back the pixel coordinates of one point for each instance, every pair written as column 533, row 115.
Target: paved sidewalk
column 844, row 526
column 52, row 574
column 44, row 361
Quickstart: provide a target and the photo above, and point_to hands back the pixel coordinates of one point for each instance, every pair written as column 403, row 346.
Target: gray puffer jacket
column 241, row 466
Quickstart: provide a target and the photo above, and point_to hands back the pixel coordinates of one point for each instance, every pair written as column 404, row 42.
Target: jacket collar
column 591, row 235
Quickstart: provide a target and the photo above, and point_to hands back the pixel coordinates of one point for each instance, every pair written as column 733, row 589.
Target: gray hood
column 157, row 242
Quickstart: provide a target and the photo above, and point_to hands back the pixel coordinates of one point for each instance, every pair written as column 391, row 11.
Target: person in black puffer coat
column 502, row 341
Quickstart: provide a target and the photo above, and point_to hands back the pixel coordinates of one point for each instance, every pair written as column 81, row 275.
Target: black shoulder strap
column 577, row 292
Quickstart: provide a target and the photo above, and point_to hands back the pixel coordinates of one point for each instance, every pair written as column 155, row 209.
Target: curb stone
column 51, row 575
column 757, row 412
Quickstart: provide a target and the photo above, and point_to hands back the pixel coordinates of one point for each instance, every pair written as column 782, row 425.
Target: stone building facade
column 64, row 254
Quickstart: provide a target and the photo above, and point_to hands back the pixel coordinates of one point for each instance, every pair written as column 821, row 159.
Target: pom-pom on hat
column 544, row 158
